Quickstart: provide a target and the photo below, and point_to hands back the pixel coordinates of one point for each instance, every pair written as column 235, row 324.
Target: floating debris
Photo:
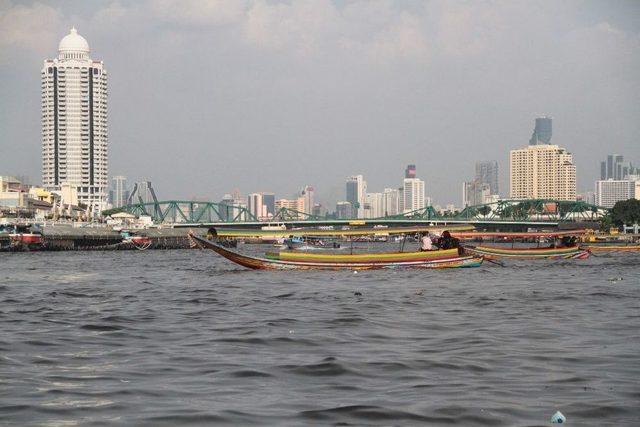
column 419, row 291
column 357, row 293
column 558, row 418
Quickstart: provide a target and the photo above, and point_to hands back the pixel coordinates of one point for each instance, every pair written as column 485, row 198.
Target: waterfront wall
column 67, row 238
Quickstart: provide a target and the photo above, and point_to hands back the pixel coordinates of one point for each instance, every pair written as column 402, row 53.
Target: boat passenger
column 568, row 241
column 426, row 243
column 447, row 241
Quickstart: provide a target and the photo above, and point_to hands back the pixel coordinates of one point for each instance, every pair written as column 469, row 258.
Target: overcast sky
column 205, row 97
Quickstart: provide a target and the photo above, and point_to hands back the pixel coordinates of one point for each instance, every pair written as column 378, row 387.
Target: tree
column 626, row 212
column 484, row 210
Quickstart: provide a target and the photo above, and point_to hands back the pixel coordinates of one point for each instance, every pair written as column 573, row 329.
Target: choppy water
column 185, row 338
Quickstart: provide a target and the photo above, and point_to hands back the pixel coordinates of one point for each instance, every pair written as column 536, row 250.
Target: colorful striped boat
column 289, row 260
column 493, row 252
column 604, row 247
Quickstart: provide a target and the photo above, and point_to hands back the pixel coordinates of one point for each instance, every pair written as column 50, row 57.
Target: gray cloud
column 261, row 95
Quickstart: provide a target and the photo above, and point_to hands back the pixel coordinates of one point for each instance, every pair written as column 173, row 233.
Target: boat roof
column 315, row 232
column 472, row 234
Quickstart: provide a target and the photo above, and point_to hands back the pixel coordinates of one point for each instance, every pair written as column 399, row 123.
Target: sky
column 207, row 97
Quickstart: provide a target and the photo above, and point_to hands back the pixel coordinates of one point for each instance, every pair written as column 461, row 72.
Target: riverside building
column 542, row 171
column 610, row 191
column 74, row 123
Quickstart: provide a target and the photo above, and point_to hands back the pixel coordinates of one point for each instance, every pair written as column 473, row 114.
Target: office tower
column 487, row 173
column 269, row 201
column 374, row 205
column 616, row 168
column 119, row 193
column 343, row 210
column 542, row 131
column 356, row 194
column 476, row 193
column 391, row 202
column 231, row 208
column 542, row 172
column 413, row 194
column 255, row 206
column 74, row 123
column 308, row 193
column 318, row 210
column 610, row 191
column 410, row 171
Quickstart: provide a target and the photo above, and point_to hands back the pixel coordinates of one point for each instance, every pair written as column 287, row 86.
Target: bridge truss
column 193, row 212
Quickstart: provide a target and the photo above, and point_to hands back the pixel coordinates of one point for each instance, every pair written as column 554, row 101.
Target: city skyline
column 341, row 119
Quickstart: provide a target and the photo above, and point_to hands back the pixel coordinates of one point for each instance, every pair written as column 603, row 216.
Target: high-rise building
column 610, row 191
column 410, row 171
column 74, row 123
column 291, row 204
column 231, row 208
column 308, row 193
column 616, row 168
column 255, row 206
column 476, row 193
column 391, row 202
column 487, row 173
column 318, row 210
column 269, row 200
column 356, row 194
column 413, row 194
column 119, row 192
column 374, row 206
column 542, row 172
column 343, row 210
column 542, row 132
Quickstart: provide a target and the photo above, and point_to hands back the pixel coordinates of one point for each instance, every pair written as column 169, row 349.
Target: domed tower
column 74, row 125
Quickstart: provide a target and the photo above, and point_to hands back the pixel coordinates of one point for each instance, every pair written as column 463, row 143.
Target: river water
column 186, row 338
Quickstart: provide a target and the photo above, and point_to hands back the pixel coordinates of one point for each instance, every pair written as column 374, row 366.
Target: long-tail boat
column 568, row 251
column 494, row 252
column 611, row 247
column 291, row 260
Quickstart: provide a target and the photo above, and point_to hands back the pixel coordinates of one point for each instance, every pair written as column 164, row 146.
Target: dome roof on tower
column 73, row 43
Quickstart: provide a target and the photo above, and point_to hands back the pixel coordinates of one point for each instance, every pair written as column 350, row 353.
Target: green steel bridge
column 524, row 213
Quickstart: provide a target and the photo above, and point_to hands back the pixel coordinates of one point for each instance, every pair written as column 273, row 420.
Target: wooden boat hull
column 294, row 261
column 492, row 252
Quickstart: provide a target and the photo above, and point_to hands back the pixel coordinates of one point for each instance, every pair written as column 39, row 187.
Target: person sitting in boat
column 425, row 242
column 568, row 241
column 447, row 241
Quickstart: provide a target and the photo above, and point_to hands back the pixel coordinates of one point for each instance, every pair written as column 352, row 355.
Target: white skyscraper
column 413, row 194
column 74, row 123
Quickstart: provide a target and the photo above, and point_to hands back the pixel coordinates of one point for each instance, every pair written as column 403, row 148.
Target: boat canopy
column 311, row 232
